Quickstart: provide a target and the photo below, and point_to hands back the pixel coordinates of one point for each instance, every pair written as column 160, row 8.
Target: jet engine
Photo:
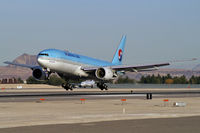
column 39, row 74
column 104, row 73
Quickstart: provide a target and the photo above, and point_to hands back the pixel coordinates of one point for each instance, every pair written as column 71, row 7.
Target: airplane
column 71, row 66
column 87, row 83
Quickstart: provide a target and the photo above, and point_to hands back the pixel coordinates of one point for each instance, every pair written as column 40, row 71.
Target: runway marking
column 123, row 115
column 88, row 124
column 139, row 95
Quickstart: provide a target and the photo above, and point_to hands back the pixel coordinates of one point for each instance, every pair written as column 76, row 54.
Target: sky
column 157, row 30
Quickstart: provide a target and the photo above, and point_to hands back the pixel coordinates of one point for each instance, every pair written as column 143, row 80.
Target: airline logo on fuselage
column 72, row 55
column 120, row 54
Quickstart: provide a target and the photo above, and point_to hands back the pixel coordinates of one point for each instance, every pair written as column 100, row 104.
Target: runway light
column 42, row 99
column 166, row 102
column 123, row 101
column 82, row 100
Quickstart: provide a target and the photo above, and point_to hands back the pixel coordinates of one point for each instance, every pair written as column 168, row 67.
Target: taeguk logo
column 120, row 54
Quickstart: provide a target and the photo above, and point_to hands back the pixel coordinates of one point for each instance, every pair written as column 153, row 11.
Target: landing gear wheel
column 102, row 86
column 70, row 86
column 67, row 87
column 105, row 86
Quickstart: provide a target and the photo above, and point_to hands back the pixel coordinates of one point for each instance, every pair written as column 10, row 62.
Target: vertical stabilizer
column 117, row 59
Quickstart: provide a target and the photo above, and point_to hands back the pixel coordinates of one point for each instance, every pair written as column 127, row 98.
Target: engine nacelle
column 104, row 73
column 39, row 74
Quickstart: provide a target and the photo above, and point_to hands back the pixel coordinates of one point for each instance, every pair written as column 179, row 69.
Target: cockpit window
column 44, row 54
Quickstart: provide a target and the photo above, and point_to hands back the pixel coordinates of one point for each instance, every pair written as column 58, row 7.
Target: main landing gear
column 102, row 86
column 67, row 86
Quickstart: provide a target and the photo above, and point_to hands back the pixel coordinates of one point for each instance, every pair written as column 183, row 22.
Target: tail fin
column 117, row 59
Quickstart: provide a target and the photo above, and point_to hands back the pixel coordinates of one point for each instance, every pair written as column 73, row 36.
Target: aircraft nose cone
column 39, row 61
column 42, row 62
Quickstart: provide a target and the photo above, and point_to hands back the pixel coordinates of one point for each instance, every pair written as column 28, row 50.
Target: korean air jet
column 71, row 66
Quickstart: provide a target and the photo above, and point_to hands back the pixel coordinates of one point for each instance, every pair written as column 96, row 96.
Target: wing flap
column 130, row 68
column 139, row 68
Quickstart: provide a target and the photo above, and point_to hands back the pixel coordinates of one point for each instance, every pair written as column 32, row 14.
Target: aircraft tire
column 70, row 87
column 102, row 86
column 67, row 86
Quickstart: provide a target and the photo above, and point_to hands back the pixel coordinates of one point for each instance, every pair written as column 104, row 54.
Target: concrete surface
column 166, row 125
column 18, row 114
column 14, row 86
column 48, row 88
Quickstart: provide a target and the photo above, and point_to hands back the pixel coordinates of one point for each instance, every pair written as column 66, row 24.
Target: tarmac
column 164, row 125
column 98, row 113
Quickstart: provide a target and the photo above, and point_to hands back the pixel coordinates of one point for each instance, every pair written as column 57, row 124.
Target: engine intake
column 39, row 74
column 104, row 73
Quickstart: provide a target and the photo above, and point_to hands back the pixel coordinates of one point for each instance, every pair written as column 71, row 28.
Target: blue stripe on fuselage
column 60, row 54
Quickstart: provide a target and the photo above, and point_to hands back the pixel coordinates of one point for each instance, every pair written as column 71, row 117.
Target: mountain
column 13, row 71
column 196, row 68
column 25, row 59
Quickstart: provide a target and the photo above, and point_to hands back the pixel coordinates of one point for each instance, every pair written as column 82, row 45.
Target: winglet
column 117, row 59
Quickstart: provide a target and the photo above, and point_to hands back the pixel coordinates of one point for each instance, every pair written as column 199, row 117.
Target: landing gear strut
column 102, row 86
column 67, row 86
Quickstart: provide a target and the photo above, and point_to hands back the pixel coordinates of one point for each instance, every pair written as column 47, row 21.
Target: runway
column 167, row 125
column 23, row 110
column 14, row 95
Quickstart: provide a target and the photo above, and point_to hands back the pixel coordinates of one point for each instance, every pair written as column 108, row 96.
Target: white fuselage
column 62, row 66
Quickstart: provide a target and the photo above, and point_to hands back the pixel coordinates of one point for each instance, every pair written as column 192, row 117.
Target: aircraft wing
column 131, row 68
column 21, row 65
column 139, row 68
